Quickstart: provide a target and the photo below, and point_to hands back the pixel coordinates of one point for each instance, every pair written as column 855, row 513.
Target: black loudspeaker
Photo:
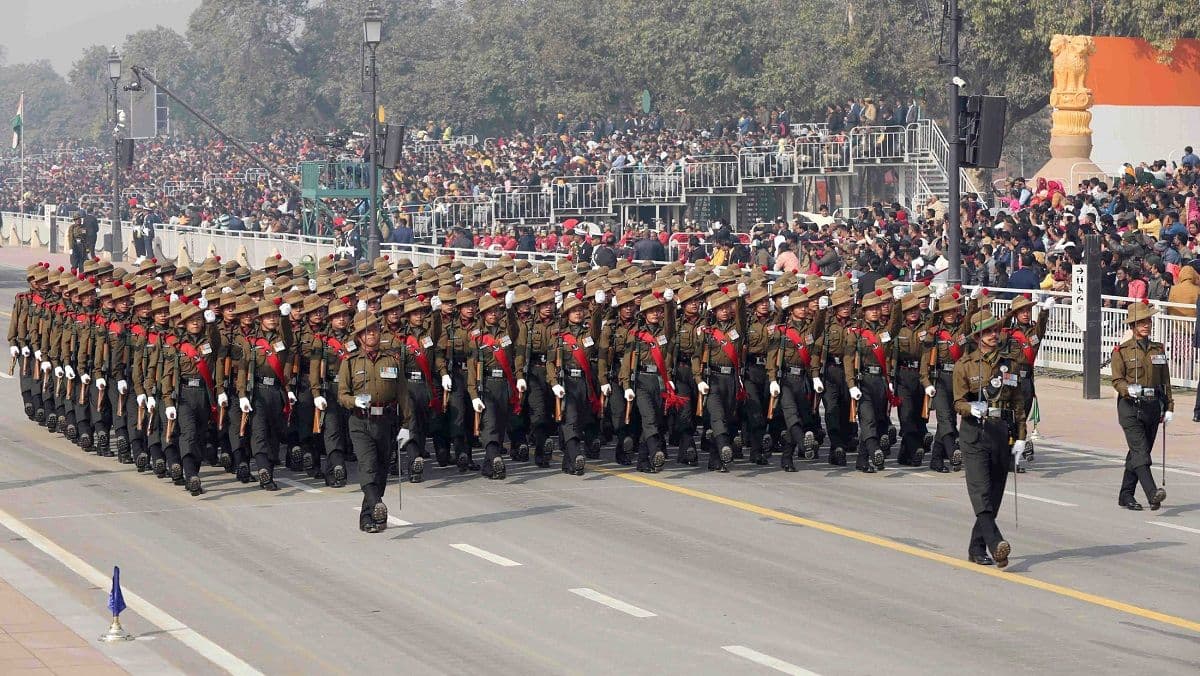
column 125, row 153
column 983, row 131
column 393, row 146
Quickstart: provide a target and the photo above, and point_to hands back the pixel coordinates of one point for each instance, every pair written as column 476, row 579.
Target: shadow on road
column 417, row 529
column 1028, row 562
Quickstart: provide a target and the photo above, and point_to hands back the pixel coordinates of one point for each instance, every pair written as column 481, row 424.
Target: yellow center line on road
column 962, row 564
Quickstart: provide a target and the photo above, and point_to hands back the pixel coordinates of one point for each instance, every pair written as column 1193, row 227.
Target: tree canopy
column 490, row 65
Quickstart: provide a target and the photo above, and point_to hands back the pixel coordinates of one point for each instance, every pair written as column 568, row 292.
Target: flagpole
column 21, row 156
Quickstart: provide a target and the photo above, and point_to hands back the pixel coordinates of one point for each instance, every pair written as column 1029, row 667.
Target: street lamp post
column 372, row 35
column 114, row 74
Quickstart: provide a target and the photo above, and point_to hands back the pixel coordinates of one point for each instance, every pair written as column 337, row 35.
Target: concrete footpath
column 32, row 641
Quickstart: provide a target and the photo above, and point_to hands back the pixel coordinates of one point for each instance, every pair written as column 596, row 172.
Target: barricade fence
column 1061, row 349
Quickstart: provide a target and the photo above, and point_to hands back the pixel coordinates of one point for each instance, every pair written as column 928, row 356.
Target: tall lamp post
column 372, row 35
column 114, row 74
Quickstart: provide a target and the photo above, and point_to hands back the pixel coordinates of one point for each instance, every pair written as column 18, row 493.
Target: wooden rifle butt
column 170, row 428
column 853, row 410
column 242, row 426
column 141, row 419
column 771, row 407
column 925, row 407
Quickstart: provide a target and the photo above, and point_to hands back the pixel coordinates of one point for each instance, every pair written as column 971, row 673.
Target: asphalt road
column 824, row 571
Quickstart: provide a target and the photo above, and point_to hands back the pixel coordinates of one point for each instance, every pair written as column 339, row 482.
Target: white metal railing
column 709, row 174
column 823, row 156
column 581, row 196
column 647, row 185
column 522, row 204
column 878, row 145
column 768, row 164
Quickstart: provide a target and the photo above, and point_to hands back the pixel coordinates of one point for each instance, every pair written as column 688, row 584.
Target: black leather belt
column 758, row 361
column 415, row 376
column 911, row 365
column 836, row 361
column 378, row 411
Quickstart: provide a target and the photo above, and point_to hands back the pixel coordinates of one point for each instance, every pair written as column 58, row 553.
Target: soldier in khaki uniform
column 370, row 387
column 264, row 389
column 422, row 408
column 492, row 382
column 189, row 389
column 615, row 343
column 831, row 345
column 537, row 340
column 988, row 397
column 718, row 371
column 454, row 346
column 791, row 374
column 868, row 370
column 331, row 347
column 1142, row 378
column 912, row 342
column 682, row 419
column 646, row 378
column 949, row 334
column 572, row 377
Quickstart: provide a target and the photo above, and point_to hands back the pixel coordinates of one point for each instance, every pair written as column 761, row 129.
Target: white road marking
column 767, row 661
column 486, row 555
column 298, row 484
column 1048, row 501
column 615, row 604
column 153, row 614
column 1116, row 460
column 1185, row 529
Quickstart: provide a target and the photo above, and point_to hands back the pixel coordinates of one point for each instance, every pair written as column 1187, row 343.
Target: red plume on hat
column 346, row 300
column 196, row 302
column 927, row 282
column 95, row 259
column 278, row 301
column 741, row 265
column 92, row 279
column 983, row 292
column 570, row 258
column 184, row 299
column 217, row 258
column 891, row 278
column 956, row 295
column 657, row 294
column 330, row 256
column 154, row 261
column 129, row 285
column 1145, row 301
column 61, row 268
column 387, row 257
column 958, row 287
column 765, row 268
column 495, row 293
column 804, row 289
column 278, row 257
column 878, row 292
column 725, row 290
column 149, row 288
column 420, row 297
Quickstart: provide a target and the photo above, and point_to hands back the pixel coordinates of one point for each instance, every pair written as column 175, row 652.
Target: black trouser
column 373, row 438
column 796, row 403
column 912, row 425
column 648, row 400
column 539, row 406
column 267, row 424
column 872, row 413
column 458, row 419
column 419, row 422
column 634, row 431
column 987, row 459
column 721, row 404
column 754, row 410
column 192, row 418
column 495, row 394
column 683, row 419
column 579, row 423
column 837, row 406
column 945, row 438
column 1139, row 421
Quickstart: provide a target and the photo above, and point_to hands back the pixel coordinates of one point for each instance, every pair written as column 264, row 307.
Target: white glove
column 85, row 378
column 320, row 403
column 37, row 355
column 203, row 304
column 977, row 293
column 361, row 306
column 403, row 436
column 774, row 387
column 141, row 400
column 823, row 302
column 1049, row 303
column 291, row 397
column 312, row 285
column 45, row 366
column 15, row 351
column 435, row 303
column 629, row 395
column 855, row 393
column 509, row 297
column 151, row 402
column 244, row 404
column 222, row 400
column 267, row 283
column 669, row 294
column 362, row 401
column 897, row 293
column 171, row 413
column 818, row 386
column 1168, row 416
column 703, row 388
column 930, row 391
column 58, row 372
column 25, row 351
column 447, row 382
column 285, row 309
column 613, row 302
column 70, row 372
column 559, row 391
column 784, row 302
column 600, row 297
column 1018, row 450
column 226, row 289
column 477, row 404
column 174, row 297
column 979, row 409
column 741, row 288
column 521, row 385
column 558, row 298
column 606, row 389
column 122, row 387
column 939, row 290
column 210, row 317
column 101, row 383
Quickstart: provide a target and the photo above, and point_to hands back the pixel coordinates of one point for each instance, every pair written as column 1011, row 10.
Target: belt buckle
column 994, row 412
column 376, row 410
column 836, row 360
column 760, row 361
column 497, row 373
column 575, row 373
column 415, row 375
column 193, row 382
column 874, row 370
column 335, row 379
column 725, row 370
column 651, row 368
column 267, row 380
column 948, row 367
column 795, row 370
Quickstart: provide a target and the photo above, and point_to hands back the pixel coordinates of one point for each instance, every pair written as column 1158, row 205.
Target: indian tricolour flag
column 18, row 122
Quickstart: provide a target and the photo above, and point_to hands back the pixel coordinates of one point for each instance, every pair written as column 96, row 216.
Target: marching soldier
column 572, row 377
column 112, row 360
column 719, row 374
column 988, row 397
column 423, row 405
column 867, row 376
column 331, row 347
column 789, row 368
column 1020, row 340
column 538, row 340
column 492, row 384
column 836, row 396
column 454, row 347
column 615, row 342
column 370, row 387
column 188, row 385
column 684, row 342
column 758, row 335
column 264, row 390
column 309, row 326
column 645, row 377
column 949, row 334
column 912, row 341
column 1142, row 378
column 139, row 333
column 235, row 340
column 152, row 365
